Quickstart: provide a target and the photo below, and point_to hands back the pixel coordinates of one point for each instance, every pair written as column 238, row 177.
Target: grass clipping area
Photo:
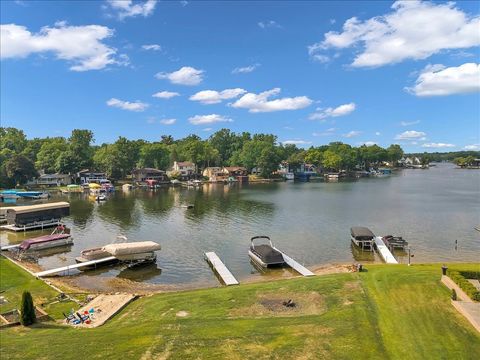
column 388, row 312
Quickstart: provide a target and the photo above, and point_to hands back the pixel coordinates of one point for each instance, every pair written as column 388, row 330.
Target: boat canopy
column 40, row 207
column 131, row 248
column 361, row 233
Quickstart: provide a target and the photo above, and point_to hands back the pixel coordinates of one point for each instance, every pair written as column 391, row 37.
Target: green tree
column 50, row 151
column 167, row 139
column 394, row 153
column 128, row 153
column 156, row 155
column 27, row 309
column 32, row 149
column 80, row 149
column 13, row 139
column 106, row 159
column 20, row 169
column 331, row 160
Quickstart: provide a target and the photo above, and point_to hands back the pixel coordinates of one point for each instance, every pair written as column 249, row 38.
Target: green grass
column 388, row 312
column 14, row 280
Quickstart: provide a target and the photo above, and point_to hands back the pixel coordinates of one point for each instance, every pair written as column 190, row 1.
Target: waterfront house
column 214, row 173
column 149, row 176
column 236, row 172
column 186, row 169
column 88, row 176
column 51, row 180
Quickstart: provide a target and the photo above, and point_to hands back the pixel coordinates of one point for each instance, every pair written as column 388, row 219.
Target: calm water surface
column 309, row 221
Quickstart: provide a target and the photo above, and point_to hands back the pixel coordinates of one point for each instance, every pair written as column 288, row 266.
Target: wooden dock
column 295, row 265
column 33, row 226
column 220, row 268
column 75, row 266
column 382, row 249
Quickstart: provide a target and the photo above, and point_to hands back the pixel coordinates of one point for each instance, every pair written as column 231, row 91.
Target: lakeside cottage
column 149, row 176
column 51, row 180
column 214, row 173
column 186, row 169
column 88, row 176
column 220, row 174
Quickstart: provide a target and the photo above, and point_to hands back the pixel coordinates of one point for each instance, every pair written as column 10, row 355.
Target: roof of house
column 150, row 170
column 185, row 163
column 54, row 176
column 234, row 168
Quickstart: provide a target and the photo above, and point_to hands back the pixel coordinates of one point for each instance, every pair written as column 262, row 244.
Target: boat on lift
column 59, row 237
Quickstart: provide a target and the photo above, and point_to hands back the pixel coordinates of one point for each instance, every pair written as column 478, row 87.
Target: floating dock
column 295, row 265
column 33, row 226
column 75, row 266
column 220, row 268
column 382, row 249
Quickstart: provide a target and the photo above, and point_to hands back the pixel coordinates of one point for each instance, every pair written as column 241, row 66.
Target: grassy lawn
column 14, row 280
column 388, row 312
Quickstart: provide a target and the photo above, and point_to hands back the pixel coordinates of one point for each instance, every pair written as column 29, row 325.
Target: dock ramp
column 220, row 269
column 382, row 249
column 75, row 266
column 295, row 265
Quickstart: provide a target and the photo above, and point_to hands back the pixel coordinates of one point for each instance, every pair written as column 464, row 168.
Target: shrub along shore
column 388, row 311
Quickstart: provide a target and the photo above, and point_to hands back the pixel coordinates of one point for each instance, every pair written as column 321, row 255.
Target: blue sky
column 309, row 72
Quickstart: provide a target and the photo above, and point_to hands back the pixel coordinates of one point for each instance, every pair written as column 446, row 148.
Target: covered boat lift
column 35, row 216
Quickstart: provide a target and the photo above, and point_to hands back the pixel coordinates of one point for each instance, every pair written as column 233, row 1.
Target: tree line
column 22, row 159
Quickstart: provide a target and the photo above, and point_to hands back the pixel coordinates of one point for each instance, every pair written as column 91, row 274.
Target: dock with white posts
column 220, row 268
column 383, row 251
column 39, row 225
column 302, row 270
column 75, row 266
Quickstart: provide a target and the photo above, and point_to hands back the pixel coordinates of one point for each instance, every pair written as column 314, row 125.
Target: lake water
column 309, row 221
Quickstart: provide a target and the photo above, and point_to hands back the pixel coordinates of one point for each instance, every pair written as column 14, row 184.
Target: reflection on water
column 309, row 221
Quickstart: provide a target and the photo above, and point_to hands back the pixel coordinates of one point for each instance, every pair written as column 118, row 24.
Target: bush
column 27, row 312
column 459, row 278
column 454, row 295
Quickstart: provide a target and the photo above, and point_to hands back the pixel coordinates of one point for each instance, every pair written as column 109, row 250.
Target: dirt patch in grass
column 182, row 313
column 272, row 304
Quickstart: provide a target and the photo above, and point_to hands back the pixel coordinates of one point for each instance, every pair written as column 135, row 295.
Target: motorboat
column 101, row 197
column 33, row 194
column 395, row 242
column 59, row 237
column 362, row 237
column 265, row 255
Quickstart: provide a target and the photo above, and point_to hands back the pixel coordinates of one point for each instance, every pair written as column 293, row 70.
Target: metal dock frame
column 32, row 226
column 295, row 265
column 382, row 249
column 75, row 266
column 220, row 268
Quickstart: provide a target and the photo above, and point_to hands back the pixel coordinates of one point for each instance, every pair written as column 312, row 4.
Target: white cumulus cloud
column 437, row 145
column 408, row 123
column 165, row 94
column 154, row 47
column 352, row 133
column 214, row 97
column 168, row 121
column 472, row 147
column 126, row 105
column 208, row 119
column 438, row 80
column 256, row 103
column 269, row 24
column 81, row 45
column 128, row 8
column 411, row 135
column 186, row 75
column 341, row 110
column 412, row 30
column 245, row 69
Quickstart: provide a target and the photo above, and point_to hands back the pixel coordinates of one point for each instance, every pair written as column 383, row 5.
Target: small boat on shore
column 57, row 238
column 395, row 242
column 265, row 255
column 362, row 237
